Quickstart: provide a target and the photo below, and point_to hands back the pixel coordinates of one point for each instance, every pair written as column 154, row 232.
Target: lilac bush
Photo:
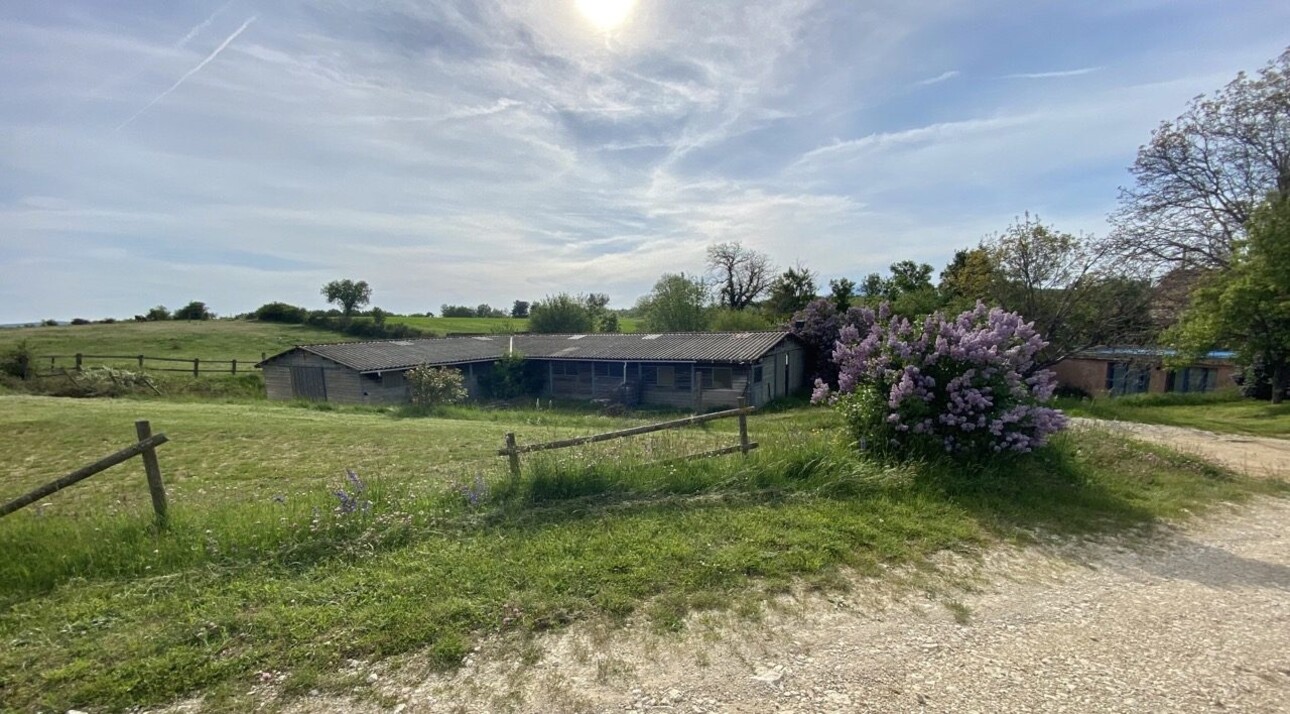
column 963, row 386
column 819, row 325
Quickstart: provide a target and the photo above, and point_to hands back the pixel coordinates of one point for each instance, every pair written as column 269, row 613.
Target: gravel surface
column 1253, row 455
column 1194, row 620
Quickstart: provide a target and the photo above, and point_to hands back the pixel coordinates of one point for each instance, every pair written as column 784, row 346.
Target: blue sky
column 238, row 152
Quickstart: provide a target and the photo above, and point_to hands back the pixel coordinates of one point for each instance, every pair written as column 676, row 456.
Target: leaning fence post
column 513, row 453
column 743, row 426
column 153, row 469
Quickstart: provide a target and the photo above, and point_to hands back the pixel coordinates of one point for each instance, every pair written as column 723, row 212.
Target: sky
column 239, row 152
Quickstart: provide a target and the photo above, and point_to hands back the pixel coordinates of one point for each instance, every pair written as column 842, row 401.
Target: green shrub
column 436, row 386
column 281, row 312
column 17, row 361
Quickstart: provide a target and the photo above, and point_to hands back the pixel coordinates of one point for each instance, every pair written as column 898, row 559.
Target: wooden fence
column 512, row 450
column 146, row 448
column 78, row 362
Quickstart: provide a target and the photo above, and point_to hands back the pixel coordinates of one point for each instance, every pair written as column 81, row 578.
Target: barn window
column 564, row 369
column 757, row 373
column 609, row 369
column 1127, row 378
column 717, row 377
column 666, row 376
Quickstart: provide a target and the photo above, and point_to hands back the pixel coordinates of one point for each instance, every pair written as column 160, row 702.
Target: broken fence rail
column 512, row 450
column 146, row 448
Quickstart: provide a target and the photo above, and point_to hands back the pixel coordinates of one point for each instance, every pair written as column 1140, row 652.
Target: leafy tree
column 741, row 275
column 969, row 277
column 723, row 319
column 348, row 294
column 677, row 303
column 791, row 291
column 840, row 292
column 1247, row 306
column 909, row 290
column 158, row 313
column 456, row 311
column 378, row 316
column 520, row 309
column 908, row 276
column 562, row 313
column 1200, row 177
column 598, row 307
column 195, row 310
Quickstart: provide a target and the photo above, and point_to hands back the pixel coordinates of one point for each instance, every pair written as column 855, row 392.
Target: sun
column 606, row 14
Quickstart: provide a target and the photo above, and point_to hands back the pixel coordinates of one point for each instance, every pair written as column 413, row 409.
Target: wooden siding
column 277, row 382
column 783, row 373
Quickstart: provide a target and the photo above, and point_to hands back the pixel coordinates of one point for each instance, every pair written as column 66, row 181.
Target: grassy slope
column 214, row 339
column 1213, row 412
column 98, row 610
column 481, row 325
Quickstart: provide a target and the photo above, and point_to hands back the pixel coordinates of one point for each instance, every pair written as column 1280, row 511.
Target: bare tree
column 1201, row 175
column 740, row 274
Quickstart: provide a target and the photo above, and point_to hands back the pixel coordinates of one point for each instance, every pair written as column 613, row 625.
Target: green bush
column 16, row 361
column 281, row 312
column 436, row 386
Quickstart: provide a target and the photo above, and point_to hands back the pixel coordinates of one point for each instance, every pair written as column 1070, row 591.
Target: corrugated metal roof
column 730, row 347
column 1145, row 352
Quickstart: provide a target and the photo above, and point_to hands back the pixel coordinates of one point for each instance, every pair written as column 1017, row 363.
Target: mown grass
column 481, row 325
column 1224, row 412
column 261, row 573
column 242, row 340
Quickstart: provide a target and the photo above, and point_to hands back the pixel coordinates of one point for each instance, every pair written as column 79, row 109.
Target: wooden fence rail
column 512, row 450
column 146, row 448
column 195, row 365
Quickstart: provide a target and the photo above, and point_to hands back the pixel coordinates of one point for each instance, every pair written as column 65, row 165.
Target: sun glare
column 606, row 14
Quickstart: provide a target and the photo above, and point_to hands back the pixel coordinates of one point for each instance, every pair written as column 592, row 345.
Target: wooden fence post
column 24, row 365
column 743, row 426
column 140, row 362
column 153, row 470
column 79, row 356
column 513, row 452
column 196, row 366
column 234, row 366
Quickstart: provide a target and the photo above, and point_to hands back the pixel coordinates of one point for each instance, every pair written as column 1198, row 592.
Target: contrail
column 202, row 25
column 189, row 73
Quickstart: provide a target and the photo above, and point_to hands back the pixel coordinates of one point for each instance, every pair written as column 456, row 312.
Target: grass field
column 1221, row 412
column 481, row 325
column 264, row 570
column 243, row 340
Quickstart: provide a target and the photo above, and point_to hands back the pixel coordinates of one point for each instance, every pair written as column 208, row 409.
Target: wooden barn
column 697, row 371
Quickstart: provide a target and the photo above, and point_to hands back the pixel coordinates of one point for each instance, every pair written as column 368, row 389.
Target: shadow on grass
column 1062, row 489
